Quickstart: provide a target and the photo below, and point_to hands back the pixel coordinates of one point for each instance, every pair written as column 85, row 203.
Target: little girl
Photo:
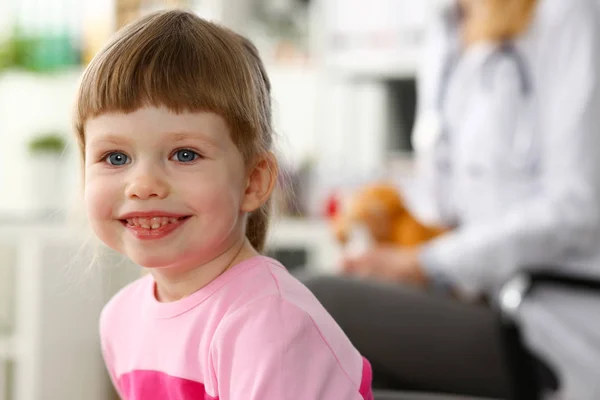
column 173, row 120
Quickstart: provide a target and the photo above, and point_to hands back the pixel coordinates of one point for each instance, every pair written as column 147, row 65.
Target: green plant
column 50, row 143
column 38, row 53
column 7, row 54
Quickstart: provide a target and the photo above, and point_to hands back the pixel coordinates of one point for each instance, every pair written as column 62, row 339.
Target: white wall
column 295, row 92
column 30, row 104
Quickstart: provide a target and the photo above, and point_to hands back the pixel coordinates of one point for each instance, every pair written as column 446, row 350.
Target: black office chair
column 390, row 395
column 527, row 382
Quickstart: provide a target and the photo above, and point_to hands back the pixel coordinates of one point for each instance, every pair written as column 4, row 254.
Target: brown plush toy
column 380, row 210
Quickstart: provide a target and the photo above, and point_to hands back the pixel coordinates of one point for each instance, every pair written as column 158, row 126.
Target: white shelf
column 298, row 231
column 54, row 343
column 313, row 235
column 363, row 65
column 377, row 73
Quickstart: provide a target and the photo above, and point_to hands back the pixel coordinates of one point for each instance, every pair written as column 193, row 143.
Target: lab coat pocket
column 517, row 160
column 514, row 145
column 521, row 160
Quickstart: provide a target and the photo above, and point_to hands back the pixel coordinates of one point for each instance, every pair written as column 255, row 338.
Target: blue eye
column 117, row 159
column 185, row 156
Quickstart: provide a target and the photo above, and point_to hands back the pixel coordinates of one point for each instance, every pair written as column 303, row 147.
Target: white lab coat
column 523, row 182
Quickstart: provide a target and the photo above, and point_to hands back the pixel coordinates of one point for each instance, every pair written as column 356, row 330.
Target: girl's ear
column 260, row 182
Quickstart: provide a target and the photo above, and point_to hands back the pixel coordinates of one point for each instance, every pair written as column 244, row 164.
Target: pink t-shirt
column 254, row 333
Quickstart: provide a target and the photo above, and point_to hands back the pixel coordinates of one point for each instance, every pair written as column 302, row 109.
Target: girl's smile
column 153, row 225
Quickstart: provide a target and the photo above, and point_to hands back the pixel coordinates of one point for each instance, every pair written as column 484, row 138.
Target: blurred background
column 344, row 97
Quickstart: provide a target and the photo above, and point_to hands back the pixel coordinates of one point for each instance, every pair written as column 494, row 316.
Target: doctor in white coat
column 508, row 152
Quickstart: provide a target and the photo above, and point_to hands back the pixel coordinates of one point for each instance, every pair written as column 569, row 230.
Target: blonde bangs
column 175, row 60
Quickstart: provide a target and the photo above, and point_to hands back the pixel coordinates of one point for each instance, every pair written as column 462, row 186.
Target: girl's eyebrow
column 199, row 137
column 108, row 139
column 175, row 137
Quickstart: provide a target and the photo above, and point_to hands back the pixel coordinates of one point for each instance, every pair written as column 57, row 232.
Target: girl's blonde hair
column 180, row 61
column 503, row 20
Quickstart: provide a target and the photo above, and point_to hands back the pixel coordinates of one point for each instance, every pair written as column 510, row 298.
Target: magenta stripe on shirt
column 365, row 384
column 154, row 385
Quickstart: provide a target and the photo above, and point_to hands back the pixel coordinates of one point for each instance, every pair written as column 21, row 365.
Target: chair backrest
column 390, row 395
column 525, row 369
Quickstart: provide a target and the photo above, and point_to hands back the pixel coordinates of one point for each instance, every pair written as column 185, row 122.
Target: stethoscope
column 506, row 49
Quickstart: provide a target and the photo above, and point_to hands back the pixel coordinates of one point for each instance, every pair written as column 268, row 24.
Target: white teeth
column 155, row 223
column 151, row 223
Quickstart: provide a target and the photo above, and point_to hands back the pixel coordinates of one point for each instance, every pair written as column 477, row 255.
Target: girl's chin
column 165, row 262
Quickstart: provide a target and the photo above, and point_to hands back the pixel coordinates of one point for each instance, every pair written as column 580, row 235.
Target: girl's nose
column 146, row 185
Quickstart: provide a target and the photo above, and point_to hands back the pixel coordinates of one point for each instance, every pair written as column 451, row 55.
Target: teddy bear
column 377, row 214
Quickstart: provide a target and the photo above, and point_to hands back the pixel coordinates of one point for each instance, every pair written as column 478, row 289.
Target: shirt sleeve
column 561, row 224
column 272, row 350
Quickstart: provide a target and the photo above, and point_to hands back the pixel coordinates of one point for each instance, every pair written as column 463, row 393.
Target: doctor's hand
column 388, row 263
